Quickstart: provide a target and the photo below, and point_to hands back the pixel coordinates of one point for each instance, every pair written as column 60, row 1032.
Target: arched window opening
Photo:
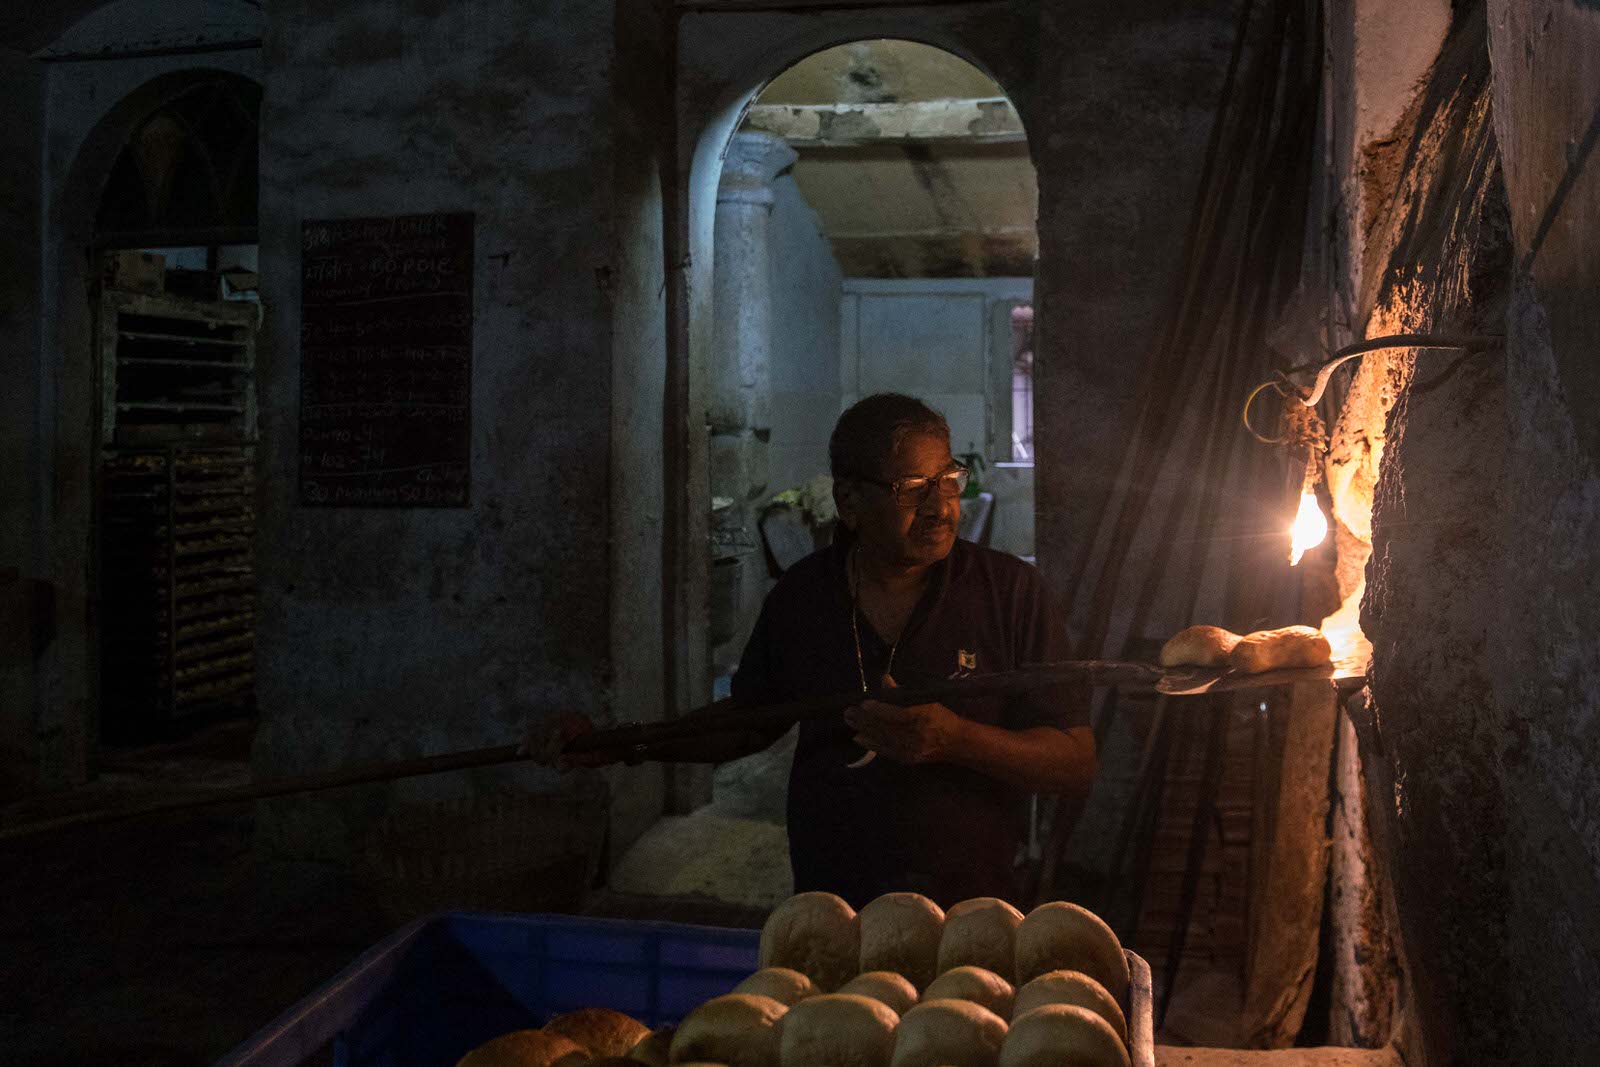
column 174, row 353
column 189, row 173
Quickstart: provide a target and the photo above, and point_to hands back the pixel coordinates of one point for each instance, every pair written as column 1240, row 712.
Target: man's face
column 906, row 536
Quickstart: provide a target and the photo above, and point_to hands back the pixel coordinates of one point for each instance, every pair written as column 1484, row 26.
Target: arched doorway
column 172, row 302
column 786, row 204
column 875, row 231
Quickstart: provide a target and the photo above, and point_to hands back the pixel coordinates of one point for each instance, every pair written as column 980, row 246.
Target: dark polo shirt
column 936, row 829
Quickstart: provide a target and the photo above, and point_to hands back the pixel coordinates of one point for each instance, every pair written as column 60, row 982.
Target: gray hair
column 869, row 432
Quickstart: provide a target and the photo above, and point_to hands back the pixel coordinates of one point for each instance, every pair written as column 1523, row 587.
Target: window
column 1022, row 384
column 188, row 175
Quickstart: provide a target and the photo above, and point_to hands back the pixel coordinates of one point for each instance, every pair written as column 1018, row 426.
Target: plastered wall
column 805, row 340
column 390, row 633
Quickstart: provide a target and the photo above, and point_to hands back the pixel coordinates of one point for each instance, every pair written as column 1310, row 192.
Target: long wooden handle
column 717, row 718
column 623, row 739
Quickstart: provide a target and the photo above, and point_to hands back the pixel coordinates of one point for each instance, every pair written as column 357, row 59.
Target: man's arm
column 1039, row 759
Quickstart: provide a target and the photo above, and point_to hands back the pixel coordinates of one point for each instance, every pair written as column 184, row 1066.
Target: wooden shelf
column 155, row 361
column 175, row 405
column 146, row 335
column 177, row 584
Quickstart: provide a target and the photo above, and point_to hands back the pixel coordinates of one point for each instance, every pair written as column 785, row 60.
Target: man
column 928, row 798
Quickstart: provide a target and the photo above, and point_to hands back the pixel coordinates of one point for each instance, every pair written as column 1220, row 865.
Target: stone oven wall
column 1479, row 740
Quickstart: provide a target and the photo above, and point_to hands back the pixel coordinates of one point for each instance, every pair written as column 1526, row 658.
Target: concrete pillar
column 741, row 389
column 741, row 379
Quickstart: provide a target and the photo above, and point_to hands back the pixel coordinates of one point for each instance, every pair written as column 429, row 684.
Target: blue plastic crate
column 441, row 986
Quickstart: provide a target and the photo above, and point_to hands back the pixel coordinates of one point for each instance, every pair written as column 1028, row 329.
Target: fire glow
column 1309, row 529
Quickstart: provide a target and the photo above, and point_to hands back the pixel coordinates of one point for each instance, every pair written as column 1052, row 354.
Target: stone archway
column 724, row 59
column 66, row 697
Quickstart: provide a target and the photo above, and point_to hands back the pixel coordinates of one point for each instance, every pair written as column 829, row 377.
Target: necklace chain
column 855, row 627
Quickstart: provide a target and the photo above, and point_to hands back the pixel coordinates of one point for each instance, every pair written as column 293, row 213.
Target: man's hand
column 547, row 737
column 921, row 733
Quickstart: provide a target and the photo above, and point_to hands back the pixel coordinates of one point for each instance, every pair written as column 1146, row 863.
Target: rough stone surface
column 642, row 99
column 1364, row 965
column 1286, row 919
column 1479, row 743
column 387, row 633
column 805, row 339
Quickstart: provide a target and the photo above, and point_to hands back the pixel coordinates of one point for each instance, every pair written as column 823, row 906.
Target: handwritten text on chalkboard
column 386, row 361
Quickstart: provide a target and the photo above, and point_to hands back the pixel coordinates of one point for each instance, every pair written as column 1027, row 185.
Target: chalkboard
column 386, row 361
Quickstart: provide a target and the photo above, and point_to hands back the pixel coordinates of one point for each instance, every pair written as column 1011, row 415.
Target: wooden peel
column 719, row 717
column 635, row 739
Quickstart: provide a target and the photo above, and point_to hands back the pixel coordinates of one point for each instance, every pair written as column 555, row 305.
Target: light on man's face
column 1309, row 529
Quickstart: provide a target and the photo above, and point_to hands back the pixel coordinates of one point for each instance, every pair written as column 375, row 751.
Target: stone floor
column 166, row 943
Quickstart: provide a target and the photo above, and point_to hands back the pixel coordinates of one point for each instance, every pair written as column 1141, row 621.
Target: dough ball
column 980, row 933
column 739, row 1029
column 601, row 1031
column 655, row 1048
column 783, row 984
column 1062, row 936
column 1198, row 646
column 886, row 986
column 816, row 934
column 526, row 1048
column 1062, row 1035
column 1071, row 987
column 900, row 933
column 1272, row 650
column 984, row 988
column 949, row 1033
column 838, row 1030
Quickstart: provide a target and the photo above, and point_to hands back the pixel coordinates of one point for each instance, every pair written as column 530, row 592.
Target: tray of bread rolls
column 901, row 983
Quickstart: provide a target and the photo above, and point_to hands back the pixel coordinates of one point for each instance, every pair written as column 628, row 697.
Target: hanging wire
column 1286, row 388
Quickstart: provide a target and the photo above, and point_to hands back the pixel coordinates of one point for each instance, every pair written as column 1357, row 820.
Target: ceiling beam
column 984, row 121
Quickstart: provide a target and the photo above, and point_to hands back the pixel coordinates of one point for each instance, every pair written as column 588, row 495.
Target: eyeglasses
column 911, row 492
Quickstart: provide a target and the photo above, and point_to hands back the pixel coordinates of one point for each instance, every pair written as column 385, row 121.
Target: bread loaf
column 1062, row 1035
column 738, row 1029
column 900, row 933
column 783, row 984
column 526, row 1048
column 817, row 934
column 949, row 1033
column 893, row 990
column 980, row 932
column 1272, row 650
column 601, row 1031
column 1198, row 646
column 1071, row 987
column 983, row 987
column 837, row 1030
column 1063, row 936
